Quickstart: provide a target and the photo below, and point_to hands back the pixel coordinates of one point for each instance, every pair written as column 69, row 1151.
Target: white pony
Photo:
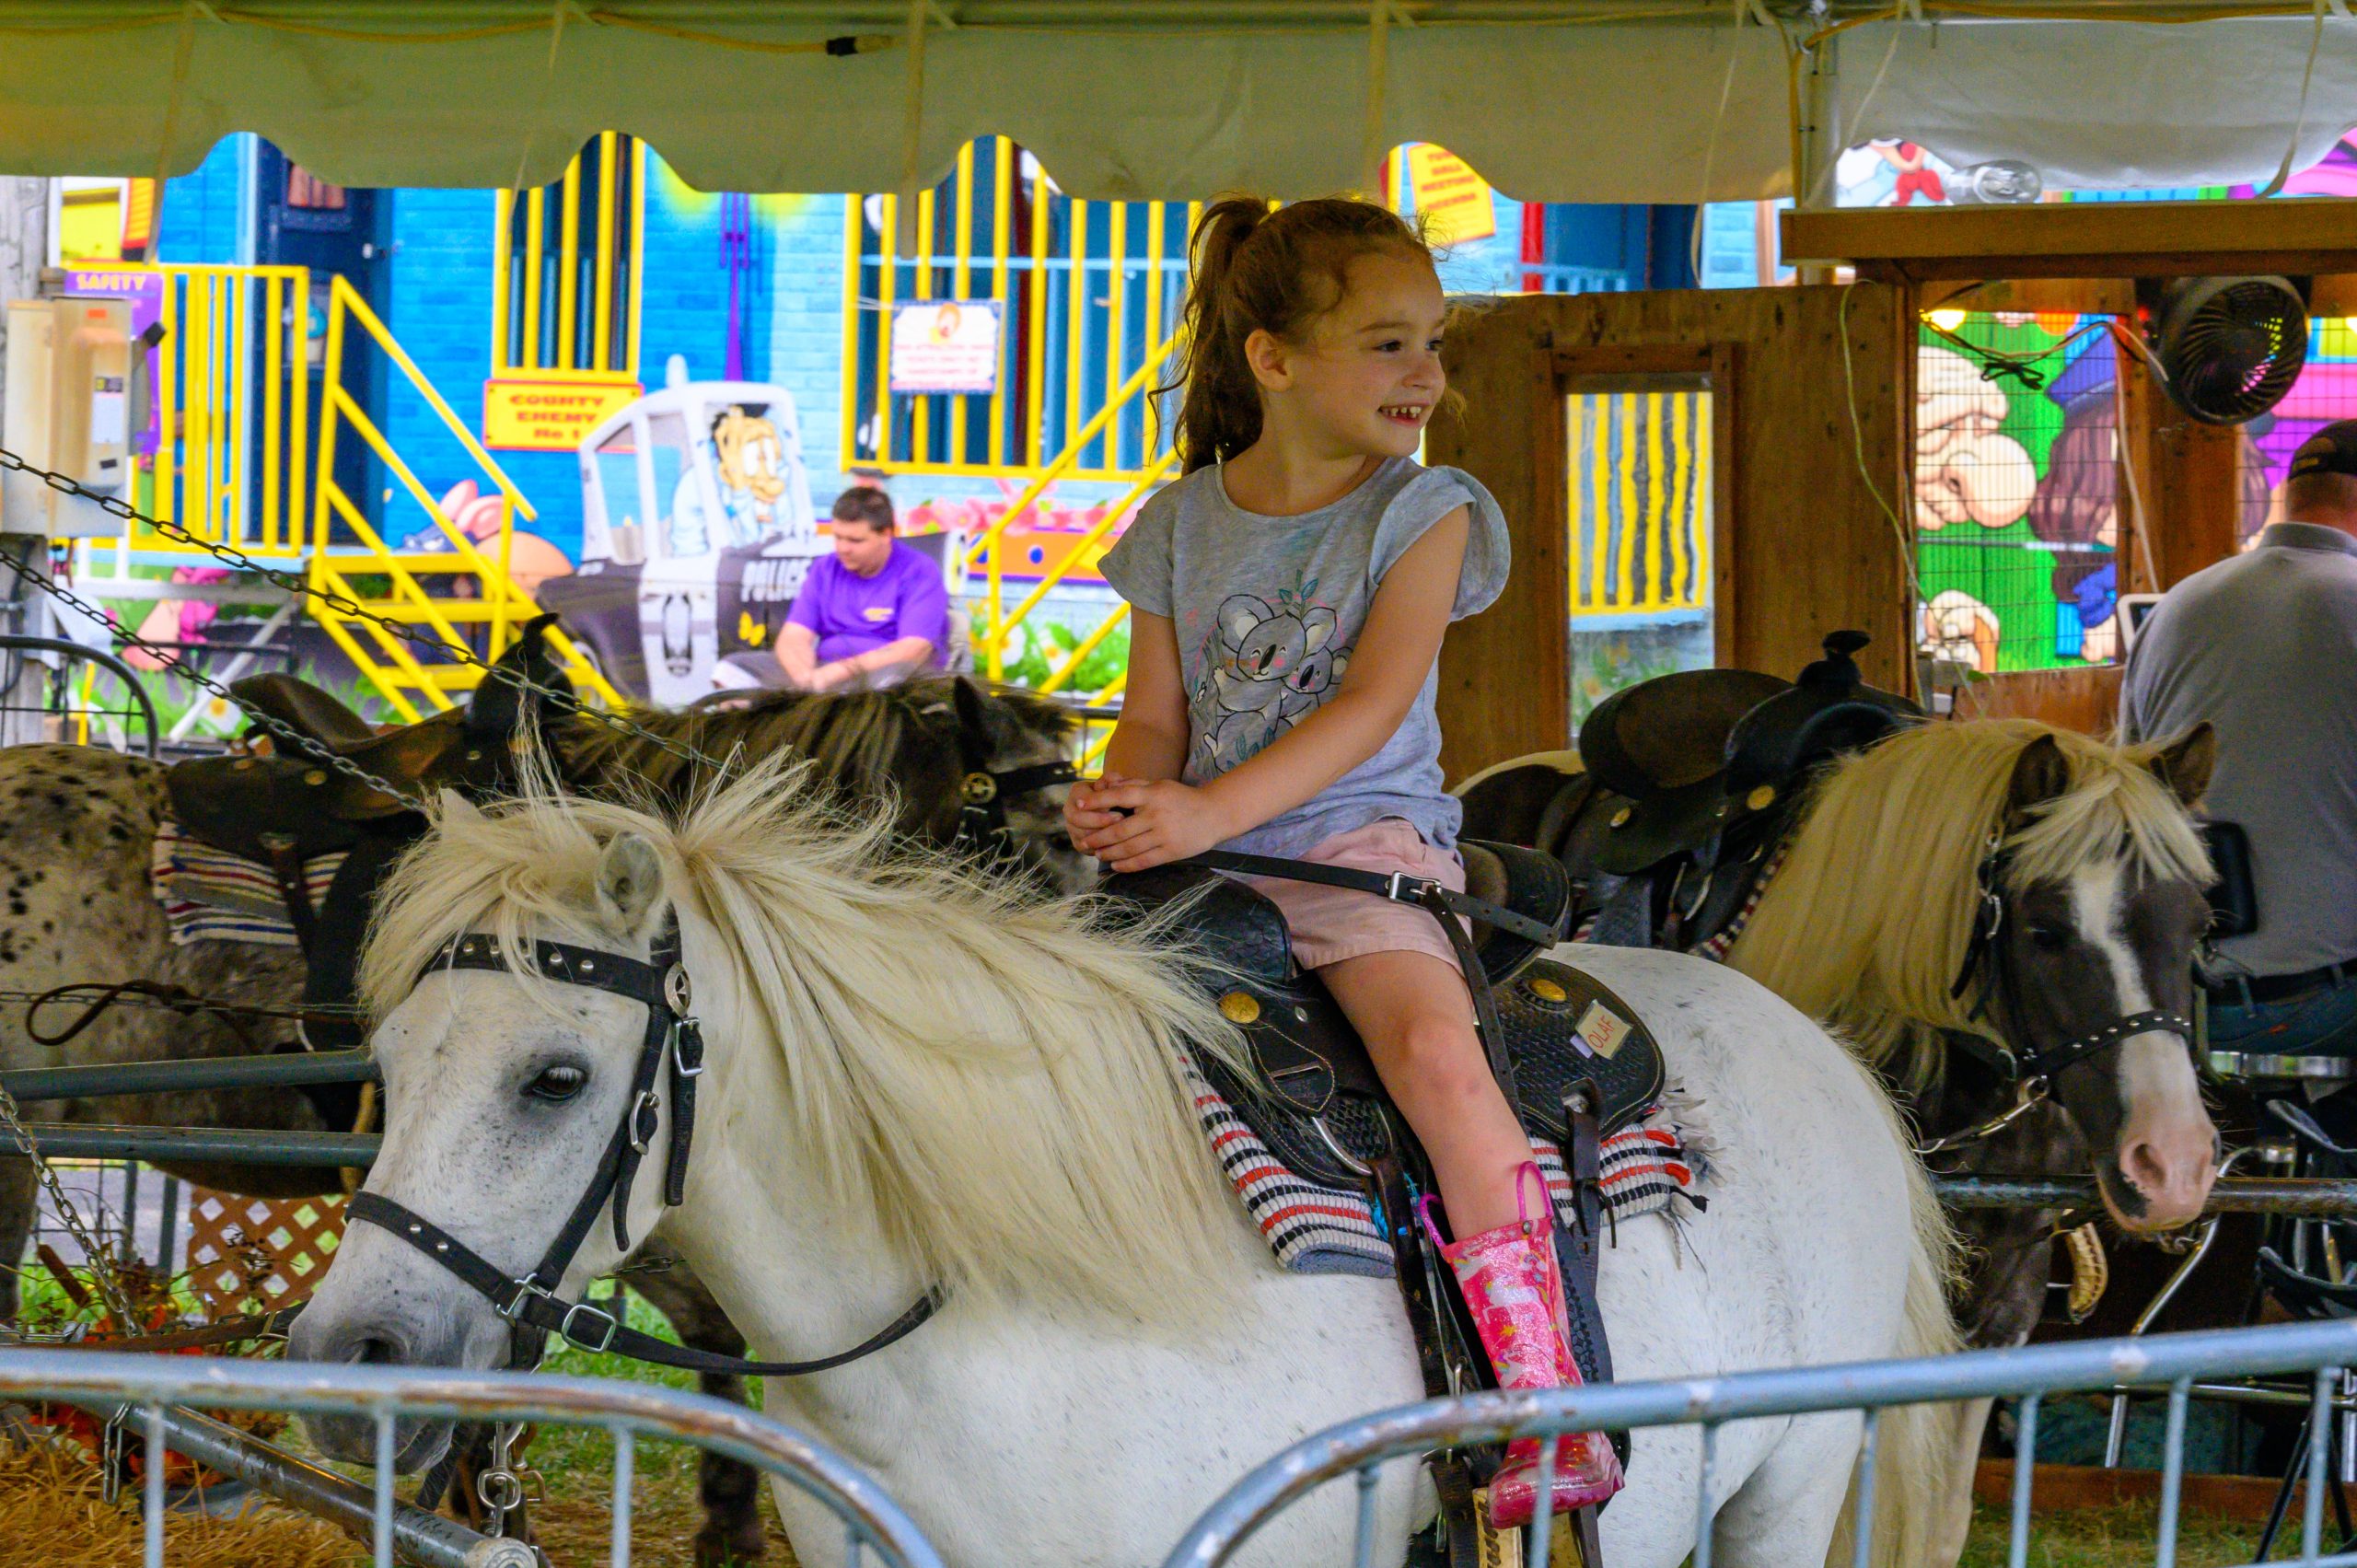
column 917, row 1078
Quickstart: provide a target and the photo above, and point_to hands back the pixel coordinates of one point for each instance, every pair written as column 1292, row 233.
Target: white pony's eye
column 556, row 1084
column 2048, row 938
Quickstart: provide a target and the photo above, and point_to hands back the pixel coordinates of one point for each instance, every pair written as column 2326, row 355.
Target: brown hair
column 1258, row 269
column 2081, row 488
column 865, row 503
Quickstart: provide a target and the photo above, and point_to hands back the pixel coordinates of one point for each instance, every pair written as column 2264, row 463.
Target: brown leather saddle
column 295, row 805
column 1691, row 781
column 1314, row 1097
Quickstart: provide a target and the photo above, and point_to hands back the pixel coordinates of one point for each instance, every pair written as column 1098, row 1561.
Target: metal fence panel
column 2172, row 1362
column 145, row 1391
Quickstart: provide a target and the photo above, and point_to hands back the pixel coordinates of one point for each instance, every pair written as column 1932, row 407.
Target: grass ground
column 2121, row 1537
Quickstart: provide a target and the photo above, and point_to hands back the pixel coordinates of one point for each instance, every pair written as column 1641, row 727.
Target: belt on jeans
column 2278, row 987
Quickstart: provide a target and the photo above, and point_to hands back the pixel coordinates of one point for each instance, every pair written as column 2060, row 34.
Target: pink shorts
column 1329, row 924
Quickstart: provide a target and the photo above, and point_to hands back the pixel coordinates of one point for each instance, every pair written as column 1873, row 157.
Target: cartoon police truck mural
column 697, row 531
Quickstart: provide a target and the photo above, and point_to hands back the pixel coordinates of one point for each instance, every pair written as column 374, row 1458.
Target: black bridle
column 672, row 1039
column 981, row 802
column 2033, row 1066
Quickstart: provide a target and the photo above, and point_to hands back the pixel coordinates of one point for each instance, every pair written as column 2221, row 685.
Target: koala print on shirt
column 1264, row 666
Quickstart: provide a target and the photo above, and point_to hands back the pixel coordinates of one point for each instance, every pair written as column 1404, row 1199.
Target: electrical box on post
column 68, row 410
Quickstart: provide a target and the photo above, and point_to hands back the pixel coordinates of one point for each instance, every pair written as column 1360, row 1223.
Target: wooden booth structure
column 1810, row 394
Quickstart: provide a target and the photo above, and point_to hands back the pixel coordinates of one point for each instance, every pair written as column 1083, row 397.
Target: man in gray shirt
column 2264, row 646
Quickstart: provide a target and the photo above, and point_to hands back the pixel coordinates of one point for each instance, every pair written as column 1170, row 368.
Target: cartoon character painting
column 1967, row 469
column 2076, row 512
column 1268, row 666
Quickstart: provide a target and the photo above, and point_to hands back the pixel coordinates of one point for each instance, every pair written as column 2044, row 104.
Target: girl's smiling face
column 1369, row 375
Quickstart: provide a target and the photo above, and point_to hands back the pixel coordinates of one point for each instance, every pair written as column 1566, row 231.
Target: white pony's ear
column 459, row 808
column 629, row 880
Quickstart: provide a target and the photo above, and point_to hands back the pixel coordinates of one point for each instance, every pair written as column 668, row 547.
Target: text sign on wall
column 946, row 345
column 524, row 415
column 1453, row 201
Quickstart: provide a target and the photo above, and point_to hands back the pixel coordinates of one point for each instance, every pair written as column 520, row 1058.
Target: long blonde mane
column 1866, row 924
column 993, row 1079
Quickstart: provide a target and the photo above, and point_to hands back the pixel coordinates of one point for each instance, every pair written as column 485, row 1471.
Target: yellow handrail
column 1062, row 569
column 1087, row 645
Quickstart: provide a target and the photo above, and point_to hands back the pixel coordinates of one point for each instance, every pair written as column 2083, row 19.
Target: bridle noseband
column 982, row 803
column 673, row 1038
column 2030, row 1067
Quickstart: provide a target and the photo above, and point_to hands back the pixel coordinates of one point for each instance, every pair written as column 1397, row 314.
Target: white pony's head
column 981, row 1087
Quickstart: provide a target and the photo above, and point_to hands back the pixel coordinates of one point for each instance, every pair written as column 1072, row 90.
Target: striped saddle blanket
column 210, row 895
column 1649, row 1166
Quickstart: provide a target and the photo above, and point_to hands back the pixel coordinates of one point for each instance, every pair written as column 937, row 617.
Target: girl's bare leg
column 1413, row 1013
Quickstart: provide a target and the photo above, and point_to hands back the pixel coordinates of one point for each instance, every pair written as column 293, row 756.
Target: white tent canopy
column 1583, row 101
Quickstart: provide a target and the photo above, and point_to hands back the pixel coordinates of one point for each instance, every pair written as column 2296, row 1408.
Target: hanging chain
column 343, row 604
column 178, row 666
column 101, row 1264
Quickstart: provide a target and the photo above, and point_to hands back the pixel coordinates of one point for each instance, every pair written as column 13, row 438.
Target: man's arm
column 798, row 653
column 887, row 666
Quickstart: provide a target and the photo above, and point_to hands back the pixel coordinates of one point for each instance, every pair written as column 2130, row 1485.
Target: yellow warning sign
column 1453, row 201
column 551, row 415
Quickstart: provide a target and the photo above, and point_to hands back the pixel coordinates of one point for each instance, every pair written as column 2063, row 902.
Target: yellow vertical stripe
column 568, row 261
column 920, row 287
column 1035, row 384
column 197, row 446
column 887, row 270
column 1077, row 319
column 601, row 330
column 170, row 361
column 1706, row 501
column 274, row 363
column 1683, row 586
column 503, row 262
column 961, row 287
column 535, row 231
column 1657, row 591
column 1623, row 593
column 298, row 393
column 1576, row 508
column 1002, row 236
column 1116, row 249
column 1151, row 281
column 855, row 313
column 637, row 249
column 238, row 370
column 1600, row 509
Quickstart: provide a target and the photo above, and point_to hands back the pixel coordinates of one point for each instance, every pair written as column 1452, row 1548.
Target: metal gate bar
column 872, row 1522
column 2306, row 1197
column 2173, row 1362
column 224, row 1145
column 292, row 1070
column 426, row 1539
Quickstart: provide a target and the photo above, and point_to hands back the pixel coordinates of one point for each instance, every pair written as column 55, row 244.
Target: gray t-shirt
column 1267, row 610
column 2264, row 646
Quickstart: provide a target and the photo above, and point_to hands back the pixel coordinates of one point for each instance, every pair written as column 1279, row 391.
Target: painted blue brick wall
column 204, row 210
column 437, row 302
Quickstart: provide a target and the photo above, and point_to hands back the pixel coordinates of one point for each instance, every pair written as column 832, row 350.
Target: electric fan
column 2230, row 347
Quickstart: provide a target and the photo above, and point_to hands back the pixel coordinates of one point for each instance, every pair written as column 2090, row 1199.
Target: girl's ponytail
column 1256, row 269
column 1221, row 412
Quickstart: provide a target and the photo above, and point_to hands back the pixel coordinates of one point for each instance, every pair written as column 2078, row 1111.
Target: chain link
column 172, row 661
column 238, row 560
column 101, row 1263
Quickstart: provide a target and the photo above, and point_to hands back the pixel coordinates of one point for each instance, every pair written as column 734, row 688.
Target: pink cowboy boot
column 1511, row 1287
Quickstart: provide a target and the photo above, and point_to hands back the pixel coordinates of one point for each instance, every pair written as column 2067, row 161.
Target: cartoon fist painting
column 1959, row 627
column 1269, row 665
column 1966, row 469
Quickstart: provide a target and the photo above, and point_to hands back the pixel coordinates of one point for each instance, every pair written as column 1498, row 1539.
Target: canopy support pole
column 1820, row 136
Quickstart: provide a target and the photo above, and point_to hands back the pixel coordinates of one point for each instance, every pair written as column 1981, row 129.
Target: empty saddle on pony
column 1686, row 787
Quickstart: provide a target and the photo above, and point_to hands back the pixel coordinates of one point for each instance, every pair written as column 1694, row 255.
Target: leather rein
column 673, row 1040
column 2032, row 1069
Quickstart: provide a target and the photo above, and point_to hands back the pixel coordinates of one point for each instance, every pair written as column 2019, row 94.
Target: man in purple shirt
column 873, row 615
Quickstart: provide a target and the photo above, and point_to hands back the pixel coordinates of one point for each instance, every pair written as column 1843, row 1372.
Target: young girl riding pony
column 1289, row 596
